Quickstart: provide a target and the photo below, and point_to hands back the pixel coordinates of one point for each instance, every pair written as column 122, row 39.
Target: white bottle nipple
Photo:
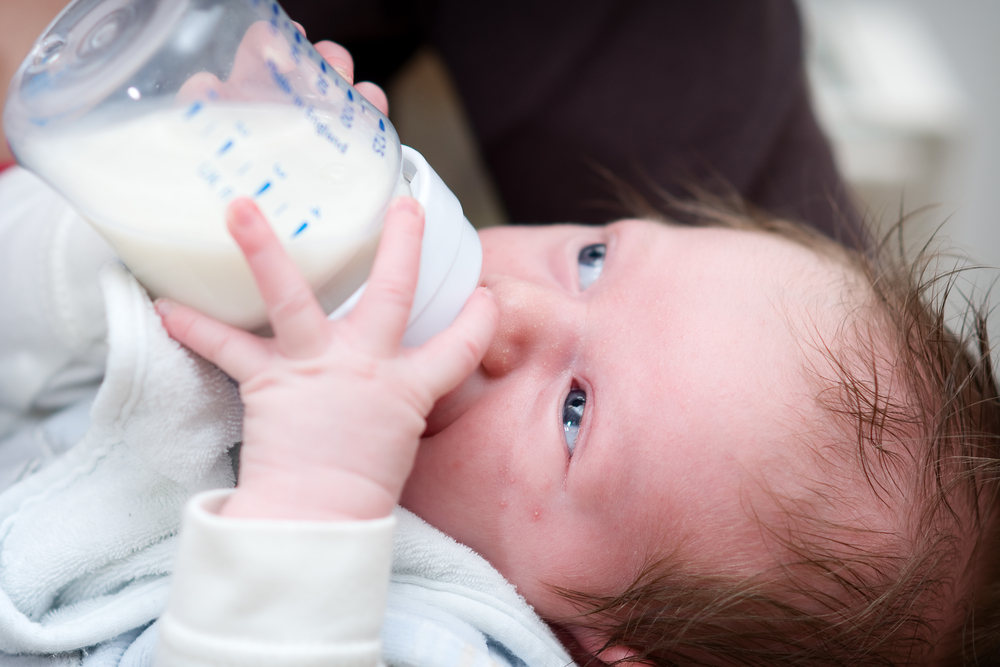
column 451, row 256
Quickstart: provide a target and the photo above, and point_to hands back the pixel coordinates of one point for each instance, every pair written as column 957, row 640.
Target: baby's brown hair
column 915, row 411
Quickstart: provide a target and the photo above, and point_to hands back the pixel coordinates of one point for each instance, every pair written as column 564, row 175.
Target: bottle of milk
column 150, row 117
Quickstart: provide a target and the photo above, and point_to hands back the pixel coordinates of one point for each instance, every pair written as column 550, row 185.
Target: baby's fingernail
column 241, row 212
column 408, row 204
column 164, row 307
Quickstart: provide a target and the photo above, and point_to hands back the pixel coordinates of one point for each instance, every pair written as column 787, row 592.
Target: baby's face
column 683, row 371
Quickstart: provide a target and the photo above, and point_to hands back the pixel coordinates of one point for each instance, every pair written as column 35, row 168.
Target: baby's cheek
column 579, row 551
column 454, row 490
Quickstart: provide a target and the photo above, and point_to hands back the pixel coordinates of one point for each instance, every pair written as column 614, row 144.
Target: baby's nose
column 534, row 323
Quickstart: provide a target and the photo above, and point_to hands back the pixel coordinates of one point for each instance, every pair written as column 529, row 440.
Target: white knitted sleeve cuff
column 275, row 593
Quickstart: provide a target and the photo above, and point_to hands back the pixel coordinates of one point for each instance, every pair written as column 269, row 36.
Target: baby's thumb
column 448, row 358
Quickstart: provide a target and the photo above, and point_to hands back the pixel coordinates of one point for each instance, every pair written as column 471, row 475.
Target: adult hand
column 262, row 44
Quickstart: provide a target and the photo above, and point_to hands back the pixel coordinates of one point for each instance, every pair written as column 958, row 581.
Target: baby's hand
column 334, row 410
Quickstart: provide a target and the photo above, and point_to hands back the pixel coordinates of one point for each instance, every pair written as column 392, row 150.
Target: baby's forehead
column 812, row 279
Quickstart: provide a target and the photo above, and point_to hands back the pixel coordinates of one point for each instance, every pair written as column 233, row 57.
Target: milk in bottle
column 319, row 202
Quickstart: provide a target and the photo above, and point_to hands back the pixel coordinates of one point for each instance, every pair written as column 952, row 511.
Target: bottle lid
column 87, row 52
column 451, row 256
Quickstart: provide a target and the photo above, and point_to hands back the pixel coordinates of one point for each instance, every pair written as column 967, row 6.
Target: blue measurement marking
column 381, row 125
column 323, row 67
column 298, row 37
column 281, row 209
column 263, row 189
column 301, row 229
column 274, row 8
column 350, row 95
column 315, row 211
column 193, row 109
column 226, row 147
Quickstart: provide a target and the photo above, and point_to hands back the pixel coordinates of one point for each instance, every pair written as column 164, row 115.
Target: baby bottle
column 150, row 116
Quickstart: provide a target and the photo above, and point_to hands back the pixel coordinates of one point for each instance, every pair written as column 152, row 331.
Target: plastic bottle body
column 153, row 154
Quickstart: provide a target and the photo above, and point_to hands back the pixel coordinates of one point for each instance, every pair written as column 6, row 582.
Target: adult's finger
column 338, row 58
column 199, row 87
column 375, row 95
column 380, row 317
column 448, row 358
column 298, row 322
column 239, row 354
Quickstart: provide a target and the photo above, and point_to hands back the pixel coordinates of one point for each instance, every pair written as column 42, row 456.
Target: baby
column 685, row 445
column 734, row 443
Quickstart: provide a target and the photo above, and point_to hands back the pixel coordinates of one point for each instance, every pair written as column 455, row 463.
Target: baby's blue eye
column 572, row 416
column 591, row 262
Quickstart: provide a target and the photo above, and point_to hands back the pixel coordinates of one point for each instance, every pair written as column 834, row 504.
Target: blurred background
column 909, row 92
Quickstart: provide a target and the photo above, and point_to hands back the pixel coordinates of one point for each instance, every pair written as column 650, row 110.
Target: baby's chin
column 450, row 407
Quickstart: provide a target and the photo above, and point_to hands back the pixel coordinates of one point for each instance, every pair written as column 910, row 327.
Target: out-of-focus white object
column 884, row 94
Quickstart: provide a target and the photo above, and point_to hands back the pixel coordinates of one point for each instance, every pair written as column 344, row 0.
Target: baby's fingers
column 299, row 324
column 238, row 353
column 448, row 358
column 379, row 319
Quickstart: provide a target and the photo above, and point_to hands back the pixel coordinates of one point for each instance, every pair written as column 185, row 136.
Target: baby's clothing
column 317, row 590
column 88, row 529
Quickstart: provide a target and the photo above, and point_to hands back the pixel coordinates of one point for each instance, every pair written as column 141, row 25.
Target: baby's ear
column 592, row 641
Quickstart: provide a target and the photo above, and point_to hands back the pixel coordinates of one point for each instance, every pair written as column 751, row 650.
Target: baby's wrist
column 333, row 496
